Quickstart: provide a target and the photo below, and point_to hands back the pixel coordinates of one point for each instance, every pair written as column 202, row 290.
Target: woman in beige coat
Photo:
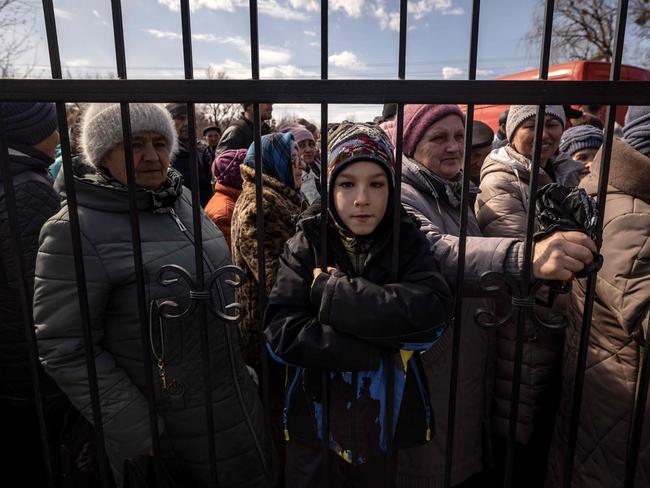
column 619, row 325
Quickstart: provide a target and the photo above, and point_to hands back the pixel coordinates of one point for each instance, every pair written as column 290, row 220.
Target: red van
column 574, row 70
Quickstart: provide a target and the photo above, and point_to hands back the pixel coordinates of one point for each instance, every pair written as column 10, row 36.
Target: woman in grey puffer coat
column 166, row 227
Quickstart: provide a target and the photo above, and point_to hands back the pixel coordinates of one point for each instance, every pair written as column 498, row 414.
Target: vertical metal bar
column 118, row 33
column 77, row 249
column 198, row 243
column 603, row 179
column 259, row 207
column 397, row 208
column 324, row 73
column 526, row 278
column 462, row 245
column 25, row 295
column 636, row 430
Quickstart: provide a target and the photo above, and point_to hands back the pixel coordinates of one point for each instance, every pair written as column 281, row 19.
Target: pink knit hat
column 418, row 118
column 299, row 132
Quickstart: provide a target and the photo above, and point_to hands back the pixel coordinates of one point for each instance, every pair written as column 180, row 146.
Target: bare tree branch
column 17, row 20
column 585, row 29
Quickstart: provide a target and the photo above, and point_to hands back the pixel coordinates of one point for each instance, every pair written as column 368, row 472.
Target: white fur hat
column 101, row 127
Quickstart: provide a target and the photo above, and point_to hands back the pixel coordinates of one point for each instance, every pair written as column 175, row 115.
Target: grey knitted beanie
column 636, row 131
column 518, row 114
column 581, row 137
column 101, row 127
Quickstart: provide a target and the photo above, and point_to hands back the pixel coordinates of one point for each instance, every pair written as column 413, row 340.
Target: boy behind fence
column 355, row 321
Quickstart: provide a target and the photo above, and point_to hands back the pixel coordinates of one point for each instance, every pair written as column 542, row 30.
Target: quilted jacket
column 166, row 229
column 355, row 324
column 36, row 201
column 501, row 209
column 619, row 329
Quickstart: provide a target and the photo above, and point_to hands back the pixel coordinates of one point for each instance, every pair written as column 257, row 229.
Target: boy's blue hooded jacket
column 356, row 328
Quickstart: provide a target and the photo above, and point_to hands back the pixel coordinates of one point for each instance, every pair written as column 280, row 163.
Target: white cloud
column 158, row 34
column 387, row 20
column 422, row 7
column 484, row 72
column 286, row 71
column 454, row 11
column 351, row 7
column 310, row 33
column 233, row 69
column 76, row 62
column 309, row 5
column 272, row 8
column 346, row 59
column 226, row 5
column 314, row 44
column 97, row 14
column 268, row 54
column 273, row 55
column 63, row 14
column 449, row 72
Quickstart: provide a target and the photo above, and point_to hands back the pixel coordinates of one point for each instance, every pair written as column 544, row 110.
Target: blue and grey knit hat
column 636, row 131
column 28, row 123
column 581, row 137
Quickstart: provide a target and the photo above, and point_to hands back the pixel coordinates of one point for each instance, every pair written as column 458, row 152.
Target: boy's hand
column 318, row 271
column 561, row 255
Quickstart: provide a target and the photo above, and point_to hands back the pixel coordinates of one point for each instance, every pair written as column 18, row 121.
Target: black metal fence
column 323, row 91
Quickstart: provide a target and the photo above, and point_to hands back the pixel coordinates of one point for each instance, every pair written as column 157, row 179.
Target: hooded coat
column 501, row 209
column 353, row 323
column 619, row 328
column 36, row 202
column 166, row 229
column 435, row 206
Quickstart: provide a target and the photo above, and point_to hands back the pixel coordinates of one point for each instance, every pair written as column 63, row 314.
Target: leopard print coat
column 281, row 206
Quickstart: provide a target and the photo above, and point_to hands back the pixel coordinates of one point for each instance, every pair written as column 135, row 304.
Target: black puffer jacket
column 36, row 201
column 167, row 238
column 354, row 325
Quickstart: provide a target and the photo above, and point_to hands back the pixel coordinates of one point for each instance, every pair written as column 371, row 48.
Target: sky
column 363, row 41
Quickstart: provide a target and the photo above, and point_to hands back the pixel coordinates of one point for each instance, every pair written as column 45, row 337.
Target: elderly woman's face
column 150, row 160
column 307, row 150
column 441, row 148
column 524, row 137
column 297, row 166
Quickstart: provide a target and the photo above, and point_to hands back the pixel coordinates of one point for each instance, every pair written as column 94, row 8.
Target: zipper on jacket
column 177, row 219
column 425, row 400
column 287, row 399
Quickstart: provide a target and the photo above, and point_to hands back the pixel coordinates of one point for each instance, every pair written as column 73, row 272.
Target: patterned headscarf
column 276, row 157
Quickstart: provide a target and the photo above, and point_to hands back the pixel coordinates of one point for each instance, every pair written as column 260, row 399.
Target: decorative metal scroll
column 173, row 274
column 524, row 298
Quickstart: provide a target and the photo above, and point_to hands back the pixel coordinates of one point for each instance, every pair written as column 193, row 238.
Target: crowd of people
column 379, row 331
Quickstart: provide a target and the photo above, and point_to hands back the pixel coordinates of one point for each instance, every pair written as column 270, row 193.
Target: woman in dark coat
column 166, row 228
